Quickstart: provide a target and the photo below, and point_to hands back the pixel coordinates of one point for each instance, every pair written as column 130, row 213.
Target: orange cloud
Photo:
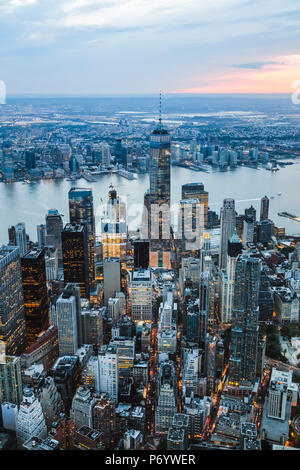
column 276, row 77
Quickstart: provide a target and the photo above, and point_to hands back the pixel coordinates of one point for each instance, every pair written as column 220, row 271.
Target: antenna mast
column 160, row 113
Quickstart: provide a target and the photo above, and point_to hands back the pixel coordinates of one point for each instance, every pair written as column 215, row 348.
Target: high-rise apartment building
column 227, row 278
column 228, row 224
column 109, row 370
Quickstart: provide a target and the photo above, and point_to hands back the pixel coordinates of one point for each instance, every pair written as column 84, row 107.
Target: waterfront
column 21, row 202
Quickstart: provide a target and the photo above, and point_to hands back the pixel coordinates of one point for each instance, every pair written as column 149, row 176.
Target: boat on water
column 289, row 216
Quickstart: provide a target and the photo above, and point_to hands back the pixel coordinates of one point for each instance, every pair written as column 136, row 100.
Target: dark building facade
column 244, row 333
column 75, row 257
column 82, row 212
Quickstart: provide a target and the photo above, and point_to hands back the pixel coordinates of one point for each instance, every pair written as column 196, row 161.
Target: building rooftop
column 73, row 228
column 34, row 253
column 176, row 434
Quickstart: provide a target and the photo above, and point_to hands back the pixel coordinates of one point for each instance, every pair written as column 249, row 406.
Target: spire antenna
column 160, row 112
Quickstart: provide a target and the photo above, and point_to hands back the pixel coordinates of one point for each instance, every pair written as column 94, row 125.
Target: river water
column 29, row 203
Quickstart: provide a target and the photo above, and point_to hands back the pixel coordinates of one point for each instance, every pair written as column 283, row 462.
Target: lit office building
column 75, row 257
column 36, row 299
column 113, row 228
column 141, row 295
column 82, row 212
column 12, row 313
column 126, row 354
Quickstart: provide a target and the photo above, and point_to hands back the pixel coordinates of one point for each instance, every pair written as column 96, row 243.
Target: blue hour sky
column 142, row 46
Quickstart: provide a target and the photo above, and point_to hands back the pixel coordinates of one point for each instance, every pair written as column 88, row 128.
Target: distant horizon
column 152, row 95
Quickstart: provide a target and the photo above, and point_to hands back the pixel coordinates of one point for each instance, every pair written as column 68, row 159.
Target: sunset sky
column 142, row 46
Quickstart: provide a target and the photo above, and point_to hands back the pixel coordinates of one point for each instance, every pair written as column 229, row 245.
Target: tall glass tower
column 244, row 333
column 12, row 313
column 228, row 224
column 81, row 211
column 157, row 200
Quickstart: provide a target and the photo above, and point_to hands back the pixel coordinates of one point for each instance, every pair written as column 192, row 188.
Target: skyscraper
column 74, row 239
column 7, row 162
column 21, row 237
column 82, row 212
column 31, row 421
column 141, row 254
column 112, row 278
column 264, row 208
column 157, row 200
column 113, row 228
column 227, row 278
column 109, row 370
column 228, row 224
column 36, row 299
column 30, row 162
column 166, row 397
column 54, row 227
column 196, row 191
column 41, row 235
column 10, row 379
column 12, row 313
column 244, row 333
column 68, row 320
column 141, row 295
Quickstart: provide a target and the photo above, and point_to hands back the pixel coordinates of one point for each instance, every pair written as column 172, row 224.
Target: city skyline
column 149, row 242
